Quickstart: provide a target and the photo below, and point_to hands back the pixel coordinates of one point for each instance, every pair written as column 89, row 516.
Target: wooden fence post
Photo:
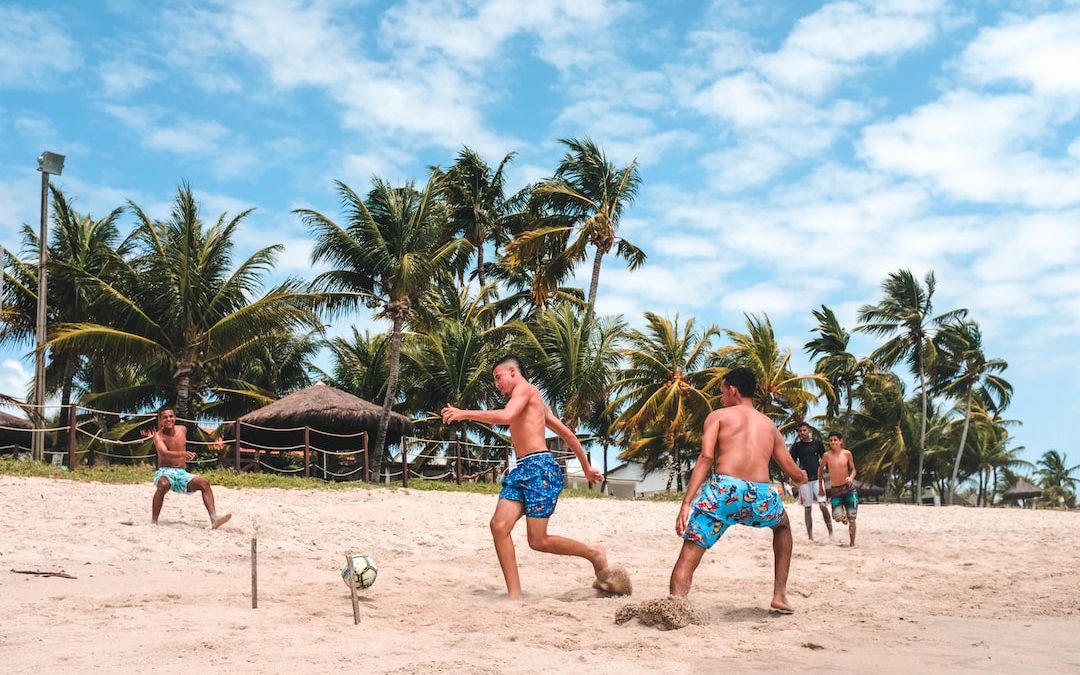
column 237, row 423
column 367, row 470
column 457, row 452
column 307, row 451
column 73, row 441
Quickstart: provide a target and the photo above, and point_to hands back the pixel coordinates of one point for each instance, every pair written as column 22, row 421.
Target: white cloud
column 979, row 148
column 1041, row 53
column 120, row 78
column 14, row 379
column 187, row 136
column 34, row 49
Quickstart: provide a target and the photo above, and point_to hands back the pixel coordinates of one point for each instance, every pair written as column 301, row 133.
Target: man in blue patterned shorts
column 170, row 441
column 532, row 488
column 739, row 441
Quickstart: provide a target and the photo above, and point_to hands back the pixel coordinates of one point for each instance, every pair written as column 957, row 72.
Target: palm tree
column 583, row 201
column 665, row 391
column 843, row 370
column 1056, row 478
column 388, row 255
column 904, row 315
column 360, row 364
column 477, row 202
column 572, row 360
column 181, row 311
column 781, row 394
column 880, row 428
column 966, row 374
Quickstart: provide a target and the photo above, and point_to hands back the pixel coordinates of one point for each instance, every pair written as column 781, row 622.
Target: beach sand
column 925, row 589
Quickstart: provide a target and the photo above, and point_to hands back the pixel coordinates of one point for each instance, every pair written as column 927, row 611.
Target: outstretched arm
column 504, row 416
column 702, row 468
column 787, row 464
column 564, row 432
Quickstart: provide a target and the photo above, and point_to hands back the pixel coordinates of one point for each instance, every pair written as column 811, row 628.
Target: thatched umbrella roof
column 322, row 408
column 1022, row 490
column 19, row 434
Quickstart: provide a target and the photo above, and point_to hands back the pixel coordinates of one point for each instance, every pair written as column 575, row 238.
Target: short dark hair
column 511, row 358
column 742, row 379
column 802, row 424
column 837, row 434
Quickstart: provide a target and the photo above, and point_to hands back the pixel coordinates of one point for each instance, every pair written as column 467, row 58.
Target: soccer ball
column 363, row 570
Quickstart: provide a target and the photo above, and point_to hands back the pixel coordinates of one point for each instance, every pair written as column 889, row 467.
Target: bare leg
column 809, row 516
column 781, row 544
column 201, row 484
column 163, row 486
column 826, row 516
column 507, row 513
column 682, row 575
column 540, row 540
column 851, row 530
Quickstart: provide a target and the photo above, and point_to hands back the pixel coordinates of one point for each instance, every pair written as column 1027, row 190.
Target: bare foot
column 218, row 522
column 781, row 605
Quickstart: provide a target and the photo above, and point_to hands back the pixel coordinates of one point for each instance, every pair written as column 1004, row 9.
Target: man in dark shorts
column 532, row 488
column 730, row 486
column 807, row 452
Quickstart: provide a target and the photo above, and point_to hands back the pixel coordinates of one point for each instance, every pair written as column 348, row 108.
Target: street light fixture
column 48, row 163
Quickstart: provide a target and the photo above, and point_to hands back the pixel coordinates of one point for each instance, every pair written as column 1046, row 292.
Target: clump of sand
column 613, row 580
column 670, row 613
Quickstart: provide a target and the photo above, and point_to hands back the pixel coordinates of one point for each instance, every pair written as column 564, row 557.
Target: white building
column 626, row 481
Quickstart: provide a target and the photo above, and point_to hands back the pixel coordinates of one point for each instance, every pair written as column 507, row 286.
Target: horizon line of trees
column 465, row 270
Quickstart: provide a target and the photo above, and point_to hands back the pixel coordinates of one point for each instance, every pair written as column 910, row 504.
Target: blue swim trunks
column 178, row 478
column 536, row 481
column 725, row 501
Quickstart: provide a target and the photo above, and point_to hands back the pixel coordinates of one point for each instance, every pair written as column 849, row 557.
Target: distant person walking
column 807, row 452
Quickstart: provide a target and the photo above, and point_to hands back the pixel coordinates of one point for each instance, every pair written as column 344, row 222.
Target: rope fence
column 329, row 456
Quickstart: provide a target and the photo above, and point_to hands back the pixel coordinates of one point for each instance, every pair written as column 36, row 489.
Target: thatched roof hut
column 1022, row 490
column 15, row 431
column 333, row 418
column 868, row 489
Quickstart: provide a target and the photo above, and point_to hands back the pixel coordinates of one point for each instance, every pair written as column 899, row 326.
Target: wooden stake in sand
column 352, row 588
column 254, row 575
column 36, row 573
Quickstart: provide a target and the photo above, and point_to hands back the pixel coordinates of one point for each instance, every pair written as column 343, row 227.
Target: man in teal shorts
column 532, row 488
column 730, row 486
column 842, row 494
column 170, row 441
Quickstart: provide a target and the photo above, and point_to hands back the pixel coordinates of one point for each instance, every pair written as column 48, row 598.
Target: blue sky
column 792, row 153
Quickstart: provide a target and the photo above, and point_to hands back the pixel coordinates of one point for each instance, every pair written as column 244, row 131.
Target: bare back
column 527, row 426
column 746, row 440
column 176, row 443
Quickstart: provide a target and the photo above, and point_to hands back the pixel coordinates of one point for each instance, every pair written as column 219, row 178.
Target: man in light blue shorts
column 532, row 488
column 170, row 441
column 736, row 446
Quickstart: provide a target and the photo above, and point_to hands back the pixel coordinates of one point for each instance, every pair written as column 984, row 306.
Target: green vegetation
column 466, row 268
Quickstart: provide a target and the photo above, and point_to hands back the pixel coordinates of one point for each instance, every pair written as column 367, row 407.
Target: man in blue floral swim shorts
column 730, row 486
column 532, row 488
column 170, row 441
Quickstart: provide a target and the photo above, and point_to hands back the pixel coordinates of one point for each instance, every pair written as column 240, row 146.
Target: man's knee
column 538, row 542
column 163, row 484
column 500, row 527
column 198, row 484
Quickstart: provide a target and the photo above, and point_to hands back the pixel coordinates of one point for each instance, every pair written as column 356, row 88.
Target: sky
column 792, row 154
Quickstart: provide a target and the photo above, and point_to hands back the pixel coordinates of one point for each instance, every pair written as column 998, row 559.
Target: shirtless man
column 532, row 488
column 842, row 494
column 739, row 441
column 170, row 441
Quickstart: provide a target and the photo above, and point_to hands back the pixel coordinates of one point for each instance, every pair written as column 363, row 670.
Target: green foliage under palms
column 843, row 369
column 1057, row 479
column 183, row 309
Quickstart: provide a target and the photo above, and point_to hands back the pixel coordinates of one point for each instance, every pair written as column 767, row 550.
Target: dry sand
column 925, row 590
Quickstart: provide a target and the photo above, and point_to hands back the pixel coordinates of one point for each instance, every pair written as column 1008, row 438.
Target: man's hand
column 683, row 519
column 594, row 475
column 850, row 481
column 148, row 433
column 799, row 478
column 451, row 414
column 190, row 456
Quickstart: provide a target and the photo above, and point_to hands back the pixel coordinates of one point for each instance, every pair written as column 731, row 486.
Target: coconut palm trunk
column 922, row 436
column 594, row 284
column 960, row 450
column 380, row 452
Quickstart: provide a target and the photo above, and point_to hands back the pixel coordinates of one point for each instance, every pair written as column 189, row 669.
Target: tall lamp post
column 48, row 163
